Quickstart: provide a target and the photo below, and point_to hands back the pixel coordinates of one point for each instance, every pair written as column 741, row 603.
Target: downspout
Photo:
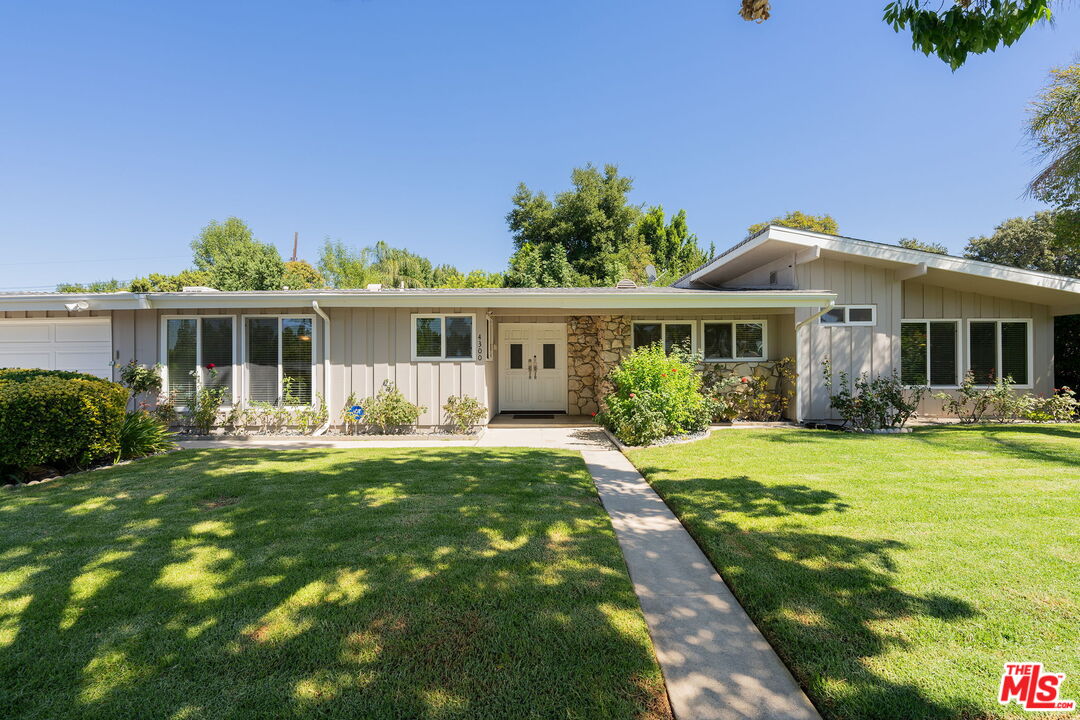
column 798, row 385
column 326, row 366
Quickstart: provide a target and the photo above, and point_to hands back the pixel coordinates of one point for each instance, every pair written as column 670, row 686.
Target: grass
column 330, row 584
column 895, row 575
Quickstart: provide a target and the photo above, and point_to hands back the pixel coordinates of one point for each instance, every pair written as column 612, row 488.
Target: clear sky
column 126, row 125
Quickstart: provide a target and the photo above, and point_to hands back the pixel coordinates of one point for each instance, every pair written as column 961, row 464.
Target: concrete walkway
column 716, row 663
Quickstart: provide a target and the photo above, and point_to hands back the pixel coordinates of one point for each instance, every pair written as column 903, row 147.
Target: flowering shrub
column 973, row 404
column 464, row 411
column 655, row 395
column 1062, row 406
column 141, row 379
column 868, row 403
column 390, row 411
column 750, row 397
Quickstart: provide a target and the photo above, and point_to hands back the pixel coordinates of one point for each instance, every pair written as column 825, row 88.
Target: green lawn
column 894, row 574
column 332, row 583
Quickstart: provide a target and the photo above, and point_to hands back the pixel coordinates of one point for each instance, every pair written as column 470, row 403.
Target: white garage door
column 79, row 344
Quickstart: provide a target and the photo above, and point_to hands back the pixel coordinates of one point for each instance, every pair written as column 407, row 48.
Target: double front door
column 532, row 366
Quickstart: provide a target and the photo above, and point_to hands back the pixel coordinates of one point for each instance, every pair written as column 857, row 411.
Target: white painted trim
column 764, row 340
column 442, row 337
column 163, row 354
column 847, row 313
column 958, row 323
column 911, row 273
column 87, row 320
column 314, row 353
column 1030, row 384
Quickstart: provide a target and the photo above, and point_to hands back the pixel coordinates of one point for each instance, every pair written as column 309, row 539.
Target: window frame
column 163, row 354
column 280, row 369
column 1030, row 384
column 847, row 314
column 960, row 343
column 442, row 338
column 740, row 321
column 663, row 330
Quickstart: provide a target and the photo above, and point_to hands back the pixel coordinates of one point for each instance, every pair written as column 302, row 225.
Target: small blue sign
column 356, row 412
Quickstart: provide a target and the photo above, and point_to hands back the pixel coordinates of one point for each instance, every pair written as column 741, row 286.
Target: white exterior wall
column 855, row 350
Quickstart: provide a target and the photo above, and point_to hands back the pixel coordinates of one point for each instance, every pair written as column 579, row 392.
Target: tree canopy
column 1054, row 129
column 300, row 275
column 950, row 30
column 916, row 244
column 1030, row 243
column 235, row 259
column 803, row 221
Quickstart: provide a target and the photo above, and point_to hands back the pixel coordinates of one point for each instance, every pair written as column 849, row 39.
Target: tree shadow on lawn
column 826, row 602
column 1020, row 441
column 259, row 583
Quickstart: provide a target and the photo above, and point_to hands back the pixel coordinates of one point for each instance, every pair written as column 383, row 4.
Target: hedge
column 52, row 417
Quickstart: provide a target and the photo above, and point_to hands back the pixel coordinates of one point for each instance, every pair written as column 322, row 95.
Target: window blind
column 459, row 337
column 262, row 359
column 646, row 334
column 718, row 341
column 217, row 348
column 677, row 334
column 428, row 337
column 1014, row 352
column 913, row 349
column 983, row 351
column 749, row 340
column 180, row 358
column 943, row 353
column 296, row 360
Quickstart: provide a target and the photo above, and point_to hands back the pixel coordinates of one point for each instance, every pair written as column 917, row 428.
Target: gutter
column 326, row 366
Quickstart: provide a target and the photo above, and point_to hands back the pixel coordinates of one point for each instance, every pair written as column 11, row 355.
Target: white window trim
column 959, row 349
column 997, row 349
column 740, row 321
column 164, row 354
column 314, row 353
column 663, row 330
column 847, row 313
column 442, row 337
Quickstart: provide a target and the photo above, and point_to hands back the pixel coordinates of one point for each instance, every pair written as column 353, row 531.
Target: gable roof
column 774, row 243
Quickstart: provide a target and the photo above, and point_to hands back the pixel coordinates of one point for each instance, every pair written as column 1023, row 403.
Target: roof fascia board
column 810, row 254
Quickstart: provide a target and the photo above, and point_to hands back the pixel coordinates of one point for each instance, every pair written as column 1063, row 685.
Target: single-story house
column 869, row 307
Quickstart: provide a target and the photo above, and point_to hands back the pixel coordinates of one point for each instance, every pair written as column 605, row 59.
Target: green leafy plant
column 1062, row 406
column 756, row 398
column 142, row 380
column 390, row 411
column 165, row 409
column 867, row 403
column 463, row 411
column 203, row 414
column 58, row 418
column 968, row 402
column 350, row 421
column 143, row 434
column 655, row 395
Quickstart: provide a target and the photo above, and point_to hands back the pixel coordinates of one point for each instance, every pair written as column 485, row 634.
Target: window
column 443, row 337
column 742, row 340
column 999, row 349
column 280, row 356
column 668, row 333
column 850, row 315
column 928, row 352
column 192, row 346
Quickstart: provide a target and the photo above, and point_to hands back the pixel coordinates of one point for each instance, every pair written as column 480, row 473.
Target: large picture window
column 279, row 359
column 670, row 334
column 928, row 352
column 443, row 337
column 198, row 350
column 1000, row 349
column 735, row 340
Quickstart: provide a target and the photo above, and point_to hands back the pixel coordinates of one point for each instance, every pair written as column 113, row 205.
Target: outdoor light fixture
column 76, row 306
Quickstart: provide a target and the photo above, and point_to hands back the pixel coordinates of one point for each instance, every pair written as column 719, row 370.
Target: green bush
column 143, row 434
column 58, row 418
column 656, row 395
column 464, row 411
column 878, row 403
column 390, row 411
column 750, row 397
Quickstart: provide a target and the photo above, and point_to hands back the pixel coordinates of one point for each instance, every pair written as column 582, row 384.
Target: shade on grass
column 331, row 583
column 894, row 574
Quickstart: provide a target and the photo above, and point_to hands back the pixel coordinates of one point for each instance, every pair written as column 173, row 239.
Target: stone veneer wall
column 594, row 345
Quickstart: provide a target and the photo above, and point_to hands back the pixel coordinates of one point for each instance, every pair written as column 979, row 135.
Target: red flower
column 744, row 379
column 594, row 414
column 210, row 366
column 633, row 395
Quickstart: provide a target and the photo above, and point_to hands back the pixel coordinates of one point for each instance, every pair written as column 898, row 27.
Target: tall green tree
column 300, row 275
column 157, row 282
column 345, row 267
column 99, row 286
column 235, row 259
column 916, row 244
column 1030, row 243
column 1054, row 130
column 803, row 221
column 541, row 265
column 674, row 249
column 950, row 30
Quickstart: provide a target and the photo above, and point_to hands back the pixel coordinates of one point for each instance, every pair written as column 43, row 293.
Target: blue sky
column 126, row 126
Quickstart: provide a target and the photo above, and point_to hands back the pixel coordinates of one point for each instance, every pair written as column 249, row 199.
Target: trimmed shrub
column 390, row 411
column 656, row 395
column 877, row 403
column 143, row 434
column 463, row 411
column 58, row 418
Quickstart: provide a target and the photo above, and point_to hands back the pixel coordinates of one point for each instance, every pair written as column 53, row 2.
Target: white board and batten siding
column 370, row 345
column 873, row 349
column 930, row 302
